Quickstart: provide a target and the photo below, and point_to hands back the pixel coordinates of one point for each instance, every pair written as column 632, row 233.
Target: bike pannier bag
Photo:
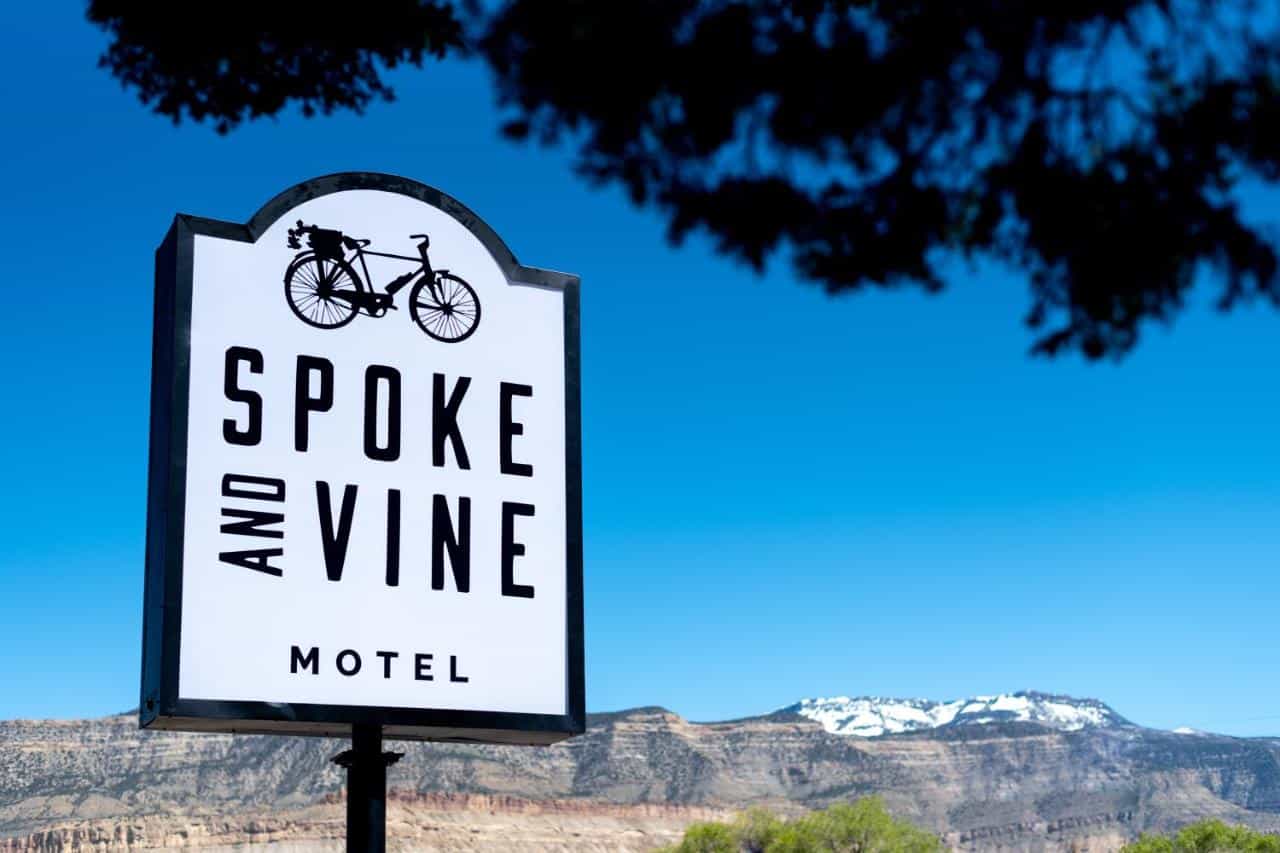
column 327, row 243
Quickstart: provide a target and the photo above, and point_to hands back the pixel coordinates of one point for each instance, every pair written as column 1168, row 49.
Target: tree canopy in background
column 1098, row 146
column 231, row 61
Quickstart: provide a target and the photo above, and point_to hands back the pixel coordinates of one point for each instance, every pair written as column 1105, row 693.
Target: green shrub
column 709, row 838
column 1207, row 836
column 861, row 827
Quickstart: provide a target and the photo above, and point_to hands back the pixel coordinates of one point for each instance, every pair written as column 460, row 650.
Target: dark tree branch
column 863, row 140
column 230, row 61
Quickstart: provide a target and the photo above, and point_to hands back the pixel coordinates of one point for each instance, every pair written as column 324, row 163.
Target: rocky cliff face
column 1011, row 785
column 414, row 822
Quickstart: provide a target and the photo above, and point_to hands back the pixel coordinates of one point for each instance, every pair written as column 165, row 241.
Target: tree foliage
column 861, row 827
column 1098, row 146
column 1207, row 836
column 234, row 60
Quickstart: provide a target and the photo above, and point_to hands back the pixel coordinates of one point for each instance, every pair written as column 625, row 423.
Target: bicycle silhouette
column 324, row 290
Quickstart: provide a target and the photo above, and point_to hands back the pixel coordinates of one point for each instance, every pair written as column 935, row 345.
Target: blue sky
column 786, row 495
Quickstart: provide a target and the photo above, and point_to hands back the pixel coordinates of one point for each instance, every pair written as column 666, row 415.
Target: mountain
column 871, row 716
column 1020, row 775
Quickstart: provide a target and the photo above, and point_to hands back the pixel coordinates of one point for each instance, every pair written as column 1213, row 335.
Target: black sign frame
column 160, row 705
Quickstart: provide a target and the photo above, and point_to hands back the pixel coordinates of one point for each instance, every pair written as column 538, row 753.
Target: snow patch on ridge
column 872, row 716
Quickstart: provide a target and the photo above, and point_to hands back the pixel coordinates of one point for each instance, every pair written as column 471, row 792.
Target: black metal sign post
column 366, row 766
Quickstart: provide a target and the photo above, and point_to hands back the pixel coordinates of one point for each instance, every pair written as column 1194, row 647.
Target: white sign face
column 376, row 508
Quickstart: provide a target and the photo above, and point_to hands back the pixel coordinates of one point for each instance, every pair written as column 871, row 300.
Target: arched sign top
column 365, row 483
column 283, row 202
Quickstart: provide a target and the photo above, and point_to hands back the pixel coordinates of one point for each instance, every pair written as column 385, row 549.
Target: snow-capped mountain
column 871, row 716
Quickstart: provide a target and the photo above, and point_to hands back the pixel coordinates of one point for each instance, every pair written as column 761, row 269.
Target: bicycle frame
column 421, row 262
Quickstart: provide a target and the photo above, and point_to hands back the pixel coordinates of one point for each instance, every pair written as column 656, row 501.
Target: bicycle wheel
column 322, row 292
column 450, row 318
